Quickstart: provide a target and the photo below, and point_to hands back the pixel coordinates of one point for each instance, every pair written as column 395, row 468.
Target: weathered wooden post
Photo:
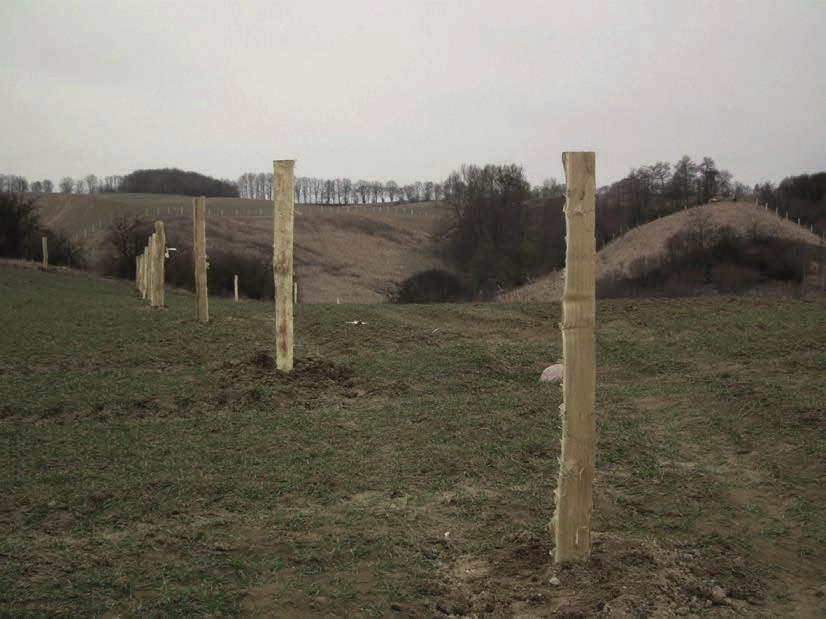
column 282, row 261
column 145, row 272
column 821, row 273
column 158, row 293
column 138, row 272
column 150, row 275
column 235, row 287
column 200, row 258
column 572, row 518
column 142, row 274
column 44, row 243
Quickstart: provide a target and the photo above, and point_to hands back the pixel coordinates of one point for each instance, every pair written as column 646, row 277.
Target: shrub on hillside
column 701, row 259
column 499, row 236
column 127, row 239
column 255, row 276
column 19, row 227
column 255, row 279
column 21, row 231
column 433, row 286
column 63, row 251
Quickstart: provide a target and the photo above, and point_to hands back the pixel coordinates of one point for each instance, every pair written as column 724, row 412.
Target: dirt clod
column 718, row 594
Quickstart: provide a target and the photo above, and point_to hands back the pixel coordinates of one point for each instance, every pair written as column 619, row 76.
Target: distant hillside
column 648, row 242
column 351, row 254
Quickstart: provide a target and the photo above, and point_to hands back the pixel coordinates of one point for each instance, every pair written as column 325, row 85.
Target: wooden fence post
column 282, row 261
column 572, row 518
column 150, row 276
column 200, row 259
column 147, row 262
column 158, row 293
column 44, row 243
column 235, row 287
column 143, row 273
column 138, row 272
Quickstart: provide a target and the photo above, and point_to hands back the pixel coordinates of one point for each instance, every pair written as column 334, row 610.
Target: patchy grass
column 150, row 465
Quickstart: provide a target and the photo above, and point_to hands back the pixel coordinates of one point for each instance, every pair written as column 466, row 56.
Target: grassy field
column 152, row 466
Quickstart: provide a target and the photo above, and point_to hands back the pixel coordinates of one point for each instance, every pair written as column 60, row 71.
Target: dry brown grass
column 351, row 255
column 649, row 242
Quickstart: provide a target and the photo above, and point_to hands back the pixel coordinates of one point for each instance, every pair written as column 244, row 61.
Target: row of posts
column 149, row 266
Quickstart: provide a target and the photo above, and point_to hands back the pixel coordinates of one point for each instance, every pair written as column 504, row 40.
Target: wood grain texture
column 283, row 192
column 158, row 275
column 199, row 257
column 572, row 519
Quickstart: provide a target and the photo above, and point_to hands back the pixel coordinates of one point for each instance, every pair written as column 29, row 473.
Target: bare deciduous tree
column 67, row 185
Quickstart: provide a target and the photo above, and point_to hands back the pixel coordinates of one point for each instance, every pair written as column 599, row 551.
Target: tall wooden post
column 44, row 242
column 138, row 272
column 141, row 284
column 158, row 294
column 572, row 518
column 282, row 261
column 150, row 275
column 200, row 258
column 145, row 272
column 235, row 287
column 144, row 263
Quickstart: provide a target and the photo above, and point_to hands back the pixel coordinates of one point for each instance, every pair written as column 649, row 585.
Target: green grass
column 150, row 465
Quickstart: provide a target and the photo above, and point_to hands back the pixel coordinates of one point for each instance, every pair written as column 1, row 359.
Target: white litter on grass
column 356, row 322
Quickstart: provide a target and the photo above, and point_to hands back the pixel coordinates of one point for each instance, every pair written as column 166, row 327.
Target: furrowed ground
column 150, row 465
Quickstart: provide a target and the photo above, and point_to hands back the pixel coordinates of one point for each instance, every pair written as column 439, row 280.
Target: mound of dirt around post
column 313, row 369
column 623, row 578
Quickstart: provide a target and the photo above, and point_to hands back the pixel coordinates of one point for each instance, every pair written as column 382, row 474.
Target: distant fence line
column 249, row 212
column 261, row 212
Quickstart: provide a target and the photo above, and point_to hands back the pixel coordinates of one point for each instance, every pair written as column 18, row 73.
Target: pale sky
column 410, row 90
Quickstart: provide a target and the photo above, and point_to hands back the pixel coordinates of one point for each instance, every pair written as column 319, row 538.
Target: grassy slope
column 353, row 254
column 153, row 466
column 649, row 241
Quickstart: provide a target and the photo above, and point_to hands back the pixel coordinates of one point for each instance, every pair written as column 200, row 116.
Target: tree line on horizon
column 160, row 180
column 341, row 191
column 645, row 193
column 503, row 233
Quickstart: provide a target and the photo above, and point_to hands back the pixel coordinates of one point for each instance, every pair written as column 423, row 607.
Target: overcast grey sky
column 410, row 90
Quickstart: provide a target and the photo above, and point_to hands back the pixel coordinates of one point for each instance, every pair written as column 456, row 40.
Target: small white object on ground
column 554, row 581
column 356, row 322
column 552, row 374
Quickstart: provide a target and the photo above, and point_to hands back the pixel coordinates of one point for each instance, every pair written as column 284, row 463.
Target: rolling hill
column 347, row 254
column 649, row 242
